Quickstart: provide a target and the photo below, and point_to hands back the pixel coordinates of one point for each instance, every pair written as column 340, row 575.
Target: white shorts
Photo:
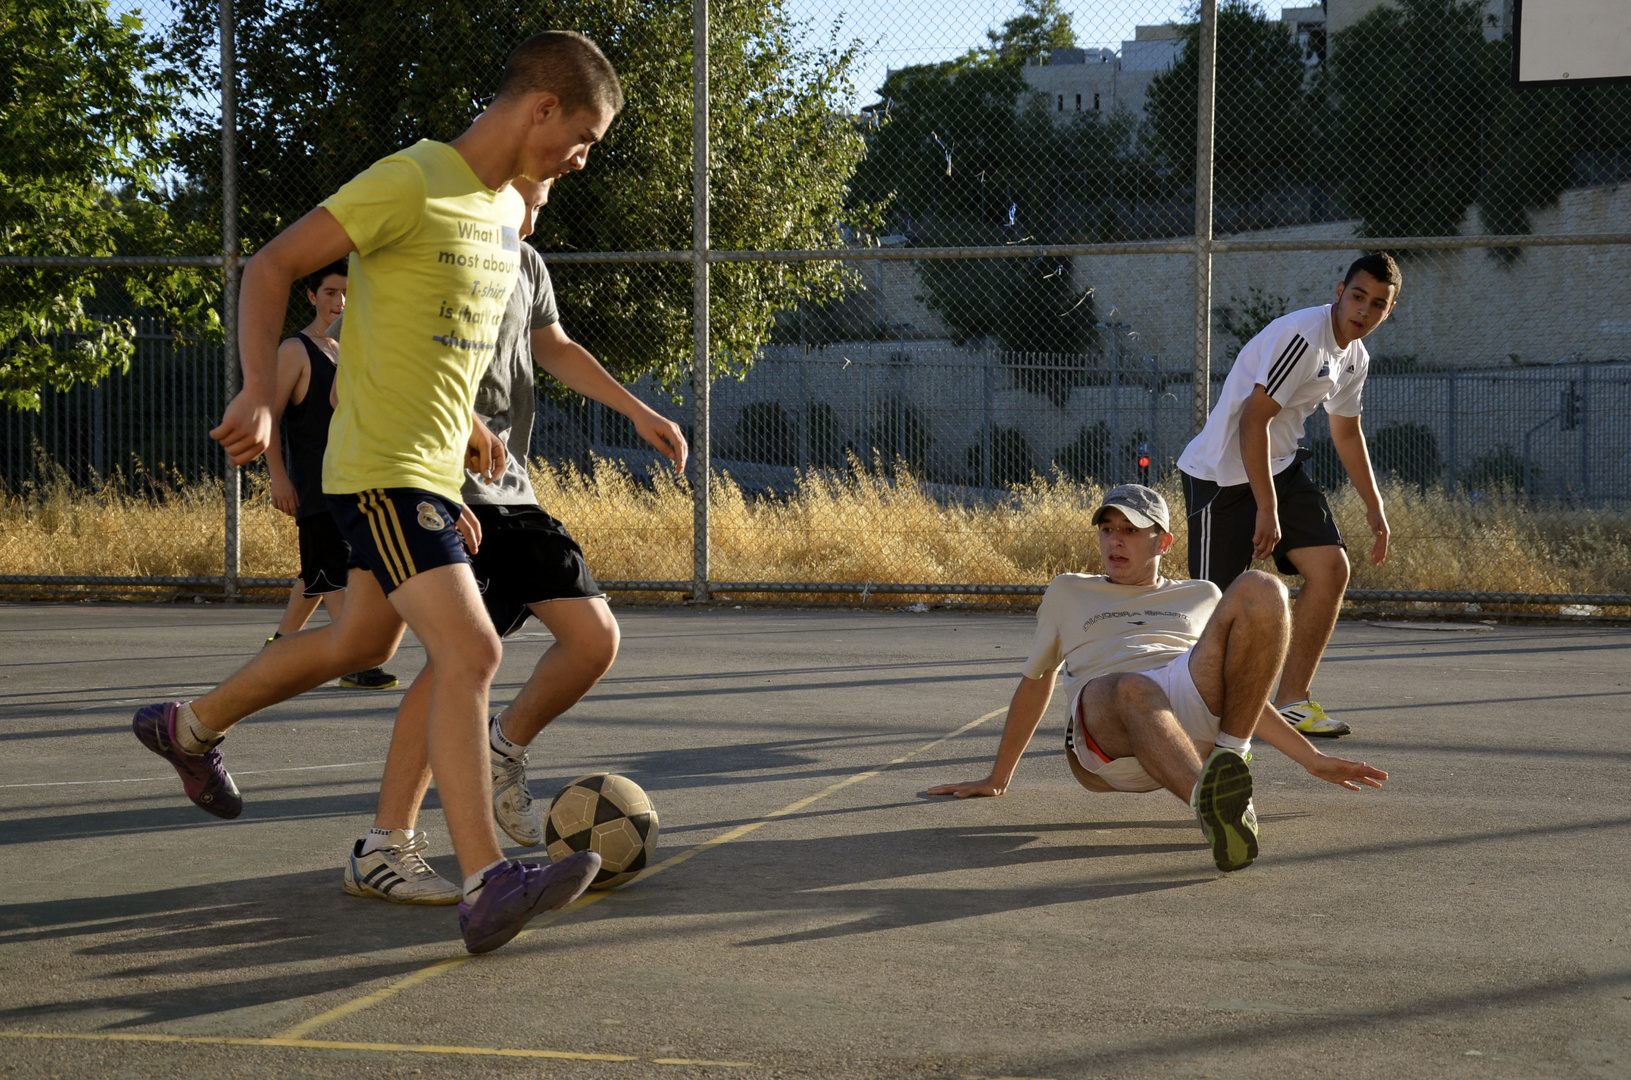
column 1126, row 774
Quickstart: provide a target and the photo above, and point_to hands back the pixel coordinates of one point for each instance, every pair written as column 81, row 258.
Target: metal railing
column 87, row 439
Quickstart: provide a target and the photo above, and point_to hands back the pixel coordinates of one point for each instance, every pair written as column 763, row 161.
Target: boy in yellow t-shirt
column 431, row 235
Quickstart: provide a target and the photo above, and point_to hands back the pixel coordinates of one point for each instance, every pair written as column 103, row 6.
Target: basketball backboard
column 1563, row 42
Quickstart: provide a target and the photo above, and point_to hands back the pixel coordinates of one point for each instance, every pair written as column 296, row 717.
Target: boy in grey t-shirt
column 525, row 562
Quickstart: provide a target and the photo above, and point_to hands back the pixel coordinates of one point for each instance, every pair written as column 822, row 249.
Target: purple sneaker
column 203, row 776
column 514, row 893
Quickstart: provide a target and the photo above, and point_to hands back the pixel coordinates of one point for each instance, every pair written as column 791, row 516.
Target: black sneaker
column 372, row 679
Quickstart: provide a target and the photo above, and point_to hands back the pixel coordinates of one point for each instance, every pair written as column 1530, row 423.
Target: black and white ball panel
column 607, row 814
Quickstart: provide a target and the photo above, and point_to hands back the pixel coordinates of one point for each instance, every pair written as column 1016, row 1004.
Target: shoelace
column 514, row 776
column 408, row 855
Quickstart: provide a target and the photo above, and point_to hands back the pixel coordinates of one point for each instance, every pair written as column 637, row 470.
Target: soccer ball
column 609, row 815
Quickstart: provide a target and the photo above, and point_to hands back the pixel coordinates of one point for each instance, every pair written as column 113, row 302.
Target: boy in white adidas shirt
column 1160, row 675
column 1247, row 492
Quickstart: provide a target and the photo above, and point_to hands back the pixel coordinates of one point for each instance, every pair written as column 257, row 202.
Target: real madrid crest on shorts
column 429, row 518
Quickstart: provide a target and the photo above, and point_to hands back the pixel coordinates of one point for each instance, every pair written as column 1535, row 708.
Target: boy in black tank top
column 306, row 364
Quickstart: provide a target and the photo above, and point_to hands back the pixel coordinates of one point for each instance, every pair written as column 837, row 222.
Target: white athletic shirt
column 1297, row 361
column 1095, row 627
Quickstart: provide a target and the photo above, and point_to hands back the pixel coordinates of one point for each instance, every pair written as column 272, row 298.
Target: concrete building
column 1103, row 81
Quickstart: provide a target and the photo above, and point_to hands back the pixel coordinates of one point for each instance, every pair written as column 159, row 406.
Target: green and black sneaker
column 1223, row 803
column 372, row 679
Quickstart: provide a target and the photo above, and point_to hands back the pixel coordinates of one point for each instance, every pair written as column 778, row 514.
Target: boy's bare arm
column 1254, row 454
column 292, row 366
column 1273, row 729
column 1025, row 712
column 577, row 369
column 309, row 244
column 1348, row 437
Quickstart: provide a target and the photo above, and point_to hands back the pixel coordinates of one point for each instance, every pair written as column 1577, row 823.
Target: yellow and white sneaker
column 1308, row 718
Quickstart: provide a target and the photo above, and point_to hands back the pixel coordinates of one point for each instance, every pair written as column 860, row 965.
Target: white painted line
column 148, row 779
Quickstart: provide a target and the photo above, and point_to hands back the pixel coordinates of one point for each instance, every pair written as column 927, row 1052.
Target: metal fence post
column 1585, row 435
column 700, row 372
column 229, row 287
column 1452, row 457
column 1205, row 131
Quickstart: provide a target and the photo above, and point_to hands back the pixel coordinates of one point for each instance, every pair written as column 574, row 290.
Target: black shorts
column 526, row 557
column 325, row 557
column 1223, row 519
column 398, row 532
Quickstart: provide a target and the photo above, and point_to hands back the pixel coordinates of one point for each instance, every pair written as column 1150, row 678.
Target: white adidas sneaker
column 397, row 872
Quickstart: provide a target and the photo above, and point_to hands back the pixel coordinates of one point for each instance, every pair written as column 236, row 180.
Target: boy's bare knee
column 1326, row 567
column 1136, row 694
column 1260, row 589
column 600, row 649
column 481, row 653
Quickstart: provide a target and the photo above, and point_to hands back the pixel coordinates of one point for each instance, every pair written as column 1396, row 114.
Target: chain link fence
column 949, row 272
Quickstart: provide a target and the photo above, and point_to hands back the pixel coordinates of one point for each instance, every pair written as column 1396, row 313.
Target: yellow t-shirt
column 1095, row 627
column 437, row 254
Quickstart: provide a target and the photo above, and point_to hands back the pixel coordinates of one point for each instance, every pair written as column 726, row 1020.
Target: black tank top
column 305, row 433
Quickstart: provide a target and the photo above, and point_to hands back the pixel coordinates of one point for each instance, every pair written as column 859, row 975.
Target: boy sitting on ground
column 1168, row 681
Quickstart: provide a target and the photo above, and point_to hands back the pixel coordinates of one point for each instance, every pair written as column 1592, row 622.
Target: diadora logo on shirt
column 511, row 238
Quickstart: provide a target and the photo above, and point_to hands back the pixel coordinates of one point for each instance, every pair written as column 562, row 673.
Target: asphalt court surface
column 1469, row 920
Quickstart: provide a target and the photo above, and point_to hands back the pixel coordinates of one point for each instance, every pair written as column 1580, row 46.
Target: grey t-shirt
column 505, row 397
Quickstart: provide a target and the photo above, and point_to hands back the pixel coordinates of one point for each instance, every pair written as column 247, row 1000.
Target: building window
column 1061, row 103
column 1078, row 103
column 1095, row 103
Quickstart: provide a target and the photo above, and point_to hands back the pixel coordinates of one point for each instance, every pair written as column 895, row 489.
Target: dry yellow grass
column 854, row 527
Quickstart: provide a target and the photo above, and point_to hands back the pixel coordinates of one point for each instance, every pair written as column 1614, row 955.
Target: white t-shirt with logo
column 1093, row 627
column 1296, row 360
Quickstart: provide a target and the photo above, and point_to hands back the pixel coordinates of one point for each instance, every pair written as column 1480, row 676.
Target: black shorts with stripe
column 526, row 557
column 396, row 533
column 324, row 555
column 1222, row 521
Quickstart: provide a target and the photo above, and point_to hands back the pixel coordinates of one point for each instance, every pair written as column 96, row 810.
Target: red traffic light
column 1143, row 462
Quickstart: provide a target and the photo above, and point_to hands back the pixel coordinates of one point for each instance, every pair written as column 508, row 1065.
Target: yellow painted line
column 382, row 1048
column 408, row 982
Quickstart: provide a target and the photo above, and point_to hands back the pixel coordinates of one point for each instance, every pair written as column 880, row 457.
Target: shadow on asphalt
column 67, row 825
column 234, row 926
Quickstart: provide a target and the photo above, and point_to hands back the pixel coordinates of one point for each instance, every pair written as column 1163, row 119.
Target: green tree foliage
column 1498, row 470
column 1087, row 457
column 1408, row 451
column 84, row 102
column 329, row 87
column 1263, row 122
column 1423, row 124
column 1411, row 88
column 964, row 159
column 1543, row 141
column 1244, row 319
column 1040, row 27
column 1012, row 460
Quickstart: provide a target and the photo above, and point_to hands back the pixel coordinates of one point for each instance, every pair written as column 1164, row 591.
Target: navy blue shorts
column 399, row 532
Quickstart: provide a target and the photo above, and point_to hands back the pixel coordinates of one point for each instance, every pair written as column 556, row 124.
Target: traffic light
column 1144, row 453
